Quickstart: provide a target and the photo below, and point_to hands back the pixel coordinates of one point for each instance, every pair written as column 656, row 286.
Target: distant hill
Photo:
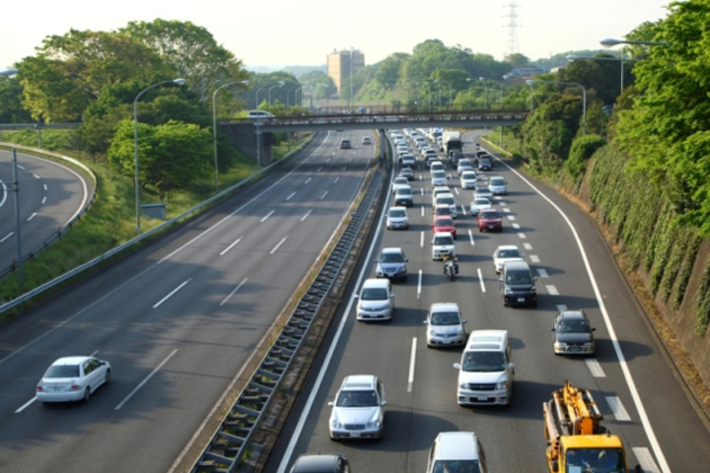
column 297, row 71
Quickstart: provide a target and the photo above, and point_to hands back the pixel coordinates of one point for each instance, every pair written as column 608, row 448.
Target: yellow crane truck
column 576, row 440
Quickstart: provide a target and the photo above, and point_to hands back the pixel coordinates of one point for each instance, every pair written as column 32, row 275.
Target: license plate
column 575, row 349
column 491, row 226
column 354, row 434
column 482, row 398
column 521, row 299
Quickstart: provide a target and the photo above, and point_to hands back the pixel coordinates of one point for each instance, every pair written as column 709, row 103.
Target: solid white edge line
column 171, row 294
column 412, row 362
column 336, row 338
column 645, row 421
column 233, row 292
column 480, row 279
column 147, row 378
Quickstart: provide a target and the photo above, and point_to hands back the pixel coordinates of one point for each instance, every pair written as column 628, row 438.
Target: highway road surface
column 637, row 389
column 51, row 194
column 177, row 320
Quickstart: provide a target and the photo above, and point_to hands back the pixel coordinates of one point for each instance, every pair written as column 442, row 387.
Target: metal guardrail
column 119, row 249
column 227, row 447
column 58, row 234
column 39, row 126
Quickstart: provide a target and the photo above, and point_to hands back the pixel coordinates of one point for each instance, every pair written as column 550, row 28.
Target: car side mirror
column 464, row 321
column 511, row 366
column 500, row 279
column 426, row 323
column 535, row 278
column 383, row 403
column 406, row 260
column 392, row 296
column 457, row 366
column 554, row 329
column 594, row 329
column 375, row 260
column 331, row 404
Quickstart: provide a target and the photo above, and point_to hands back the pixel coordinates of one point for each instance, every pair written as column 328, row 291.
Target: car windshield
column 442, row 210
column 483, row 361
column 444, row 222
column 401, row 180
column 490, row 215
column 398, row 213
column 483, row 190
column 509, row 253
column 444, row 240
column 445, row 200
column 438, row 174
column 374, row 294
column 602, row 460
column 464, row 162
column 518, row 277
column 468, row 175
column 456, row 466
column 62, row 371
column 391, row 258
column 482, row 201
column 366, row 398
column 445, row 318
column 573, row 325
column 404, row 191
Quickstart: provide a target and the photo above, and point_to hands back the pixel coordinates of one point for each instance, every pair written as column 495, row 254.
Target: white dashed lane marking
column 527, row 246
column 595, row 368
column 534, row 258
column 617, row 408
column 542, row 273
column 552, row 290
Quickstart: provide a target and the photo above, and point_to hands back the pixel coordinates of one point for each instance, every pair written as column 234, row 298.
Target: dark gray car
column 574, row 335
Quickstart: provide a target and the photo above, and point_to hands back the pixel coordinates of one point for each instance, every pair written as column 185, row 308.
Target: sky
column 289, row 33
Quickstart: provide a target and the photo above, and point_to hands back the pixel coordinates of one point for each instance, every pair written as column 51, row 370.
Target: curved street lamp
column 268, row 95
column 530, row 82
column 256, row 97
column 214, row 126
column 135, row 143
column 609, row 42
column 12, row 72
column 451, row 103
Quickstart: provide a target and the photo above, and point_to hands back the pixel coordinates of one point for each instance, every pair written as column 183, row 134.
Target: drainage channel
column 228, row 446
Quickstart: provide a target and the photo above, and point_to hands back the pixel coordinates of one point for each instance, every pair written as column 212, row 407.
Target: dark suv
column 345, row 144
column 321, row 463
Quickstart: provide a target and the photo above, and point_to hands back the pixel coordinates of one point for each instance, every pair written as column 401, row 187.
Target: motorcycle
column 451, row 268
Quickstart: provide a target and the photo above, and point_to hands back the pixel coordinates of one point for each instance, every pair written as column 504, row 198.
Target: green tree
column 191, row 51
column 389, row 68
column 171, row 155
column 11, row 110
column 516, row 59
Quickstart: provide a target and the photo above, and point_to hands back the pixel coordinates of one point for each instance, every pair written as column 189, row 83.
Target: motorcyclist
column 451, row 259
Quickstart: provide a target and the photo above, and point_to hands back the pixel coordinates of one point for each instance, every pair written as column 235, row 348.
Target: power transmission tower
column 512, row 25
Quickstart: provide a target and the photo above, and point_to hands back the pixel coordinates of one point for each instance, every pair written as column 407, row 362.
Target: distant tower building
column 339, row 65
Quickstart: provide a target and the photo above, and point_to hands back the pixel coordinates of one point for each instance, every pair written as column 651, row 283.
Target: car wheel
column 107, row 379
column 87, row 394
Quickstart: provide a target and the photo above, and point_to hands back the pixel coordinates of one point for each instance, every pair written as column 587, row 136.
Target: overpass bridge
column 254, row 137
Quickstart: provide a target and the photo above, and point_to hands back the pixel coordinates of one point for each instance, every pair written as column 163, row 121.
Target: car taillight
column 39, row 388
column 74, row 387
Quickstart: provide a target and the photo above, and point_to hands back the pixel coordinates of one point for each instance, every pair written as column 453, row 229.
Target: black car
column 455, row 156
column 321, row 463
column 345, row 144
column 573, row 334
column 484, row 164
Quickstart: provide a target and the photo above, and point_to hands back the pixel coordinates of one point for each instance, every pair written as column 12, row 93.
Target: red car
column 490, row 220
column 444, row 224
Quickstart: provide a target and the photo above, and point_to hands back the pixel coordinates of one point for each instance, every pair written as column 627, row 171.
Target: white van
column 456, row 451
column 486, row 370
column 259, row 115
column 376, row 300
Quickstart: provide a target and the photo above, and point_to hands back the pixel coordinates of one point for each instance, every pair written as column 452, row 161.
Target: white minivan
column 486, row 370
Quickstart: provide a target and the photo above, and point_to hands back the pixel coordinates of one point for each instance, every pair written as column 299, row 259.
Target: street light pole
column 214, row 127
column 135, row 144
column 256, row 98
column 11, row 73
column 351, row 77
column 268, row 97
column 622, row 59
column 609, row 42
column 451, row 103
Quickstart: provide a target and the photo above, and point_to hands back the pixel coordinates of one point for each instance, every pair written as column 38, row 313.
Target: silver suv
column 392, row 264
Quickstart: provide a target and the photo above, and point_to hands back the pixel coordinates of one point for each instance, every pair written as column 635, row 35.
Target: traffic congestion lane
column 181, row 331
column 543, row 389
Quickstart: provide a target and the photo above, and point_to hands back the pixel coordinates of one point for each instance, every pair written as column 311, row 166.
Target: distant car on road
column 259, row 115
column 321, row 463
column 357, row 411
column 490, row 220
column 345, row 144
column 574, row 335
column 73, row 378
column 366, row 140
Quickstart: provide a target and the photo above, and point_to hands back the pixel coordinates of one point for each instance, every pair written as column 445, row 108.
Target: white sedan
column 73, row 378
column 469, row 180
column 478, row 204
column 505, row 253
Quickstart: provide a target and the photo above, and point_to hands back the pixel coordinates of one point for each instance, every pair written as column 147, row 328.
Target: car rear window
column 63, row 371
